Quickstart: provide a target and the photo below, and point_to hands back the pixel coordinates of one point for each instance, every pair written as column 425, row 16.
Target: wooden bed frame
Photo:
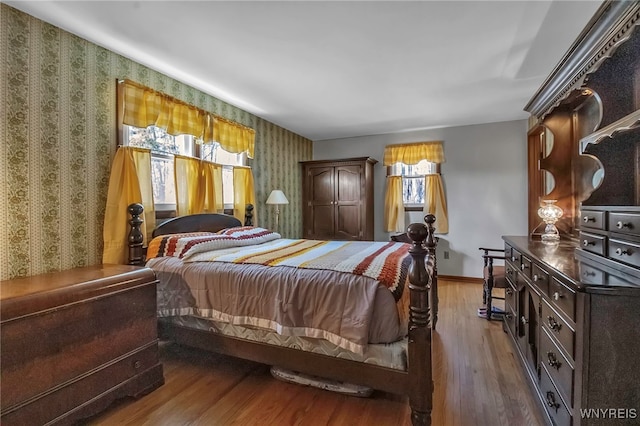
column 416, row 382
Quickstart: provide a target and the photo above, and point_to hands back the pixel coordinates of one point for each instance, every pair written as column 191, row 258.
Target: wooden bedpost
column 419, row 350
column 135, row 240
column 431, row 252
column 248, row 215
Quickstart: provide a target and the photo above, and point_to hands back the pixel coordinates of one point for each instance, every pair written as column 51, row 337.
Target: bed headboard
column 203, row 222
column 209, row 222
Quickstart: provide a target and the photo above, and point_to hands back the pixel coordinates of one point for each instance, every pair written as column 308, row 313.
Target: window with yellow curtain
column 175, row 131
column 414, row 182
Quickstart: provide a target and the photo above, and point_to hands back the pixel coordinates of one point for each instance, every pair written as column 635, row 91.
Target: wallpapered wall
column 57, row 121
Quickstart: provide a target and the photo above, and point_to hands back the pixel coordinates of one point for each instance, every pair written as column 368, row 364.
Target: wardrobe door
column 320, row 208
column 348, row 202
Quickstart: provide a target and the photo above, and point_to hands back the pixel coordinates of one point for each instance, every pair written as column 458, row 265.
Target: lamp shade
column 277, row 197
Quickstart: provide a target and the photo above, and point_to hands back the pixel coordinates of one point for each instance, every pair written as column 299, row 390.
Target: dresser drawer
column 510, row 296
column 525, row 266
column 558, row 328
column 557, row 364
column 513, row 255
column 626, row 252
column 540, row 278
column 594, row 243
column 593, row 219
column 590, row 275
column 626, row 223
column 554, row 405
column 563, row 297
column 512, row 275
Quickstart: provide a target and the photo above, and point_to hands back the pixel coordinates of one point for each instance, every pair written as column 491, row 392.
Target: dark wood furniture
column 584, row 127
column 576, row 327
column 72, row 342
column 415, row 382
column 573, row 308
column 337, row 199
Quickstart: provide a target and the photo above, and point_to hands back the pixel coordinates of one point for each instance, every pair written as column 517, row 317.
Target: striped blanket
column 386, row 262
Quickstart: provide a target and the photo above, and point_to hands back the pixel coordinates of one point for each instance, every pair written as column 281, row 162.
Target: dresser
column 573, row 308
column 337, row 199
column 575, row 324
column 72, row 342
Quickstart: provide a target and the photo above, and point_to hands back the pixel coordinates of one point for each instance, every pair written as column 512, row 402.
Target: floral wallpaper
column 58, row 137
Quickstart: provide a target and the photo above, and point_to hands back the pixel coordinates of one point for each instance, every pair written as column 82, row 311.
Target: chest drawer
column 540, row 278
column 563, row 297
column 525, row 266
column 556, row 408
column 557, row 364
column 591, row 275
column 625, row 252
column 510, row 296
column 593, row 219
column 594, row 243
column 626, row 223
column 558, row 328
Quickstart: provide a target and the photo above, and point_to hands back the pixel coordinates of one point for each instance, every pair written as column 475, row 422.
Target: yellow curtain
column 413, row 153
column 435, row 202
column 210, row 187
column 142, row 107
column 394, row 207
column 129, row 182
column 187, row 178
column 243, row 193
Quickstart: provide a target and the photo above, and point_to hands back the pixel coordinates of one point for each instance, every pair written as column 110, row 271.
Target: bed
column 340, row 332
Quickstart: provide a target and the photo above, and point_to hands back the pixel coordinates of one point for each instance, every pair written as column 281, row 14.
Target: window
column 413, row 182
column 163, row 146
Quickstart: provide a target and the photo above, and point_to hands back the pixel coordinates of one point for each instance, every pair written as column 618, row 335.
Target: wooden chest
column 72, row 342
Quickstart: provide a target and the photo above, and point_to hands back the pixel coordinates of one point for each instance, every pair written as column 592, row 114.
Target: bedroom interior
column 555, row 341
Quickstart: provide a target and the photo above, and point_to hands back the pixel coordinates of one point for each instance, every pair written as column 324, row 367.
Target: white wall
column 485, row 179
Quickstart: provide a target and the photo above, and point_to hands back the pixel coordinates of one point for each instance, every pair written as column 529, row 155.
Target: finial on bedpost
column 136, row 252
column 248, row 215
column 419, row 345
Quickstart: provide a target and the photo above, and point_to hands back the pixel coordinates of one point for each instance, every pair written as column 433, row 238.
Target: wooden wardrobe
column 338, row 199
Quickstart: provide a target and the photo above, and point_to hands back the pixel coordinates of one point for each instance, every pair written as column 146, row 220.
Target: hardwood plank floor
column 476, row 373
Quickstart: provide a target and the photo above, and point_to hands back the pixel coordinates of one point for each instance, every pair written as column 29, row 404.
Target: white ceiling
column 333, row 69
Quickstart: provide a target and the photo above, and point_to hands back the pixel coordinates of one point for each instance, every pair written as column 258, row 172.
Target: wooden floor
column 477, row 382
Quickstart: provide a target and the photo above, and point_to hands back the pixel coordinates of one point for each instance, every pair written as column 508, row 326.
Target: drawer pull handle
column 620, row 252
column 588, row 219
column 509, row 292
column 137, row 365
column 557, row 296
column 524, row 266
column 551, row 401
column 553, row 361
column 589, row 274
column 509, row 316
column 535, row 278
column 513, row 258
column 621, row 225
column 554, row 324
column 588, row 243
column 523, row 320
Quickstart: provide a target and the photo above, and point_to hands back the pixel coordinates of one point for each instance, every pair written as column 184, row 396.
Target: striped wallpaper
column 58, row 136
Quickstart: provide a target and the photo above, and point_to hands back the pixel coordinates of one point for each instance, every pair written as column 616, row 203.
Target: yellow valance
column 142, row 107
column 413, row 153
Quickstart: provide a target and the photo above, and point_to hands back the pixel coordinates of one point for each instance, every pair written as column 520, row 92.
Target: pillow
column 188, row 244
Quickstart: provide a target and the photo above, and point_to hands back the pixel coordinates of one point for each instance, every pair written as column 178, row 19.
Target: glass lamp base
column 551, row 234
